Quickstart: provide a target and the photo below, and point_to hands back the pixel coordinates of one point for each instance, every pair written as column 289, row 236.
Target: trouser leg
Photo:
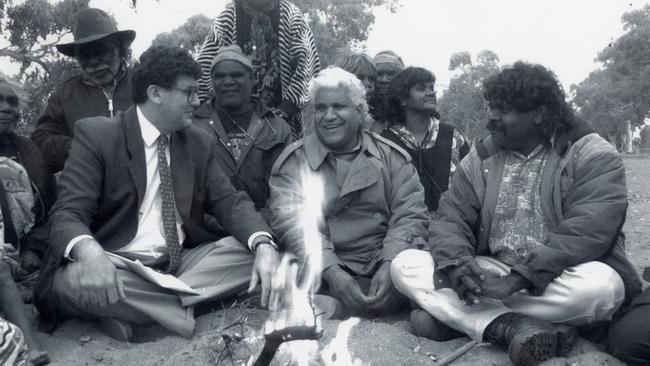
column 144, row 302
column 412, row 273
column 217, row 270
column 585, row 293
column 629, row 338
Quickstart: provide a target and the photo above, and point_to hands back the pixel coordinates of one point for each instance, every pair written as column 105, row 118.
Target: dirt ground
column 377, row 342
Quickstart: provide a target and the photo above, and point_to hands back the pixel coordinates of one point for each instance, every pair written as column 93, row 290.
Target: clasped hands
column 471, row 282
column 345, row 288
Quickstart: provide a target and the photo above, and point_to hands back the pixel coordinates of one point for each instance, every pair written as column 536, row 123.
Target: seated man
column 529, row 232
column 248, row 141
column 102, row 88
column 120, row 199
column 373, row 202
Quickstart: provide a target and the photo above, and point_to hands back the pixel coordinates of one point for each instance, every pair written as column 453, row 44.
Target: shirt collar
column 540, row 148
column 409, row 138
column 149, row 132
column 316, row 152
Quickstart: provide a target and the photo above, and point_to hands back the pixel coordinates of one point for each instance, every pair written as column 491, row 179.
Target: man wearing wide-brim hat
column 102, row 88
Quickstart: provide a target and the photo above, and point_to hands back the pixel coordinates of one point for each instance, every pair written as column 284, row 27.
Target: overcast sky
column 565, row 35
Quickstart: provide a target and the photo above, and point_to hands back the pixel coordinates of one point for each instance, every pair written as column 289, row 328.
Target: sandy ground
column 383, row 341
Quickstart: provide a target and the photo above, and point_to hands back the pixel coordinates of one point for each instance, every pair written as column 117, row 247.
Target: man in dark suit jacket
column 120, row 199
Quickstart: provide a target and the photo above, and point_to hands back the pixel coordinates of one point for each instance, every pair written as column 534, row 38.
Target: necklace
column 232, row 120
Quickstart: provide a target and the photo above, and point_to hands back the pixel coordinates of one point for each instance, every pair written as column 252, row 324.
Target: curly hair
column 526, row 87
column 400, row 88
column 161, row 65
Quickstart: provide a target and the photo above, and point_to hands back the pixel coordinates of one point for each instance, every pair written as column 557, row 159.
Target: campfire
column 293, row 321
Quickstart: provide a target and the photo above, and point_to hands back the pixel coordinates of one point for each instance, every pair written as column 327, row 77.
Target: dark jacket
column 267, row 137
column 44, row 187
column 103, row 184
column 583, row 198
column 433, row 165
column 75, row 99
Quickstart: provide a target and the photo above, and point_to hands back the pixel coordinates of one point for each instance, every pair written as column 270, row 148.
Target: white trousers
column 582, row 294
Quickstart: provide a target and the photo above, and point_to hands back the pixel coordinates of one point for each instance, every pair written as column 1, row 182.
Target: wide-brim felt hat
column 92, row 25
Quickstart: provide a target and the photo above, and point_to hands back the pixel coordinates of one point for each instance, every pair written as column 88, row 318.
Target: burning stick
column 292, row 313
column 273, row 340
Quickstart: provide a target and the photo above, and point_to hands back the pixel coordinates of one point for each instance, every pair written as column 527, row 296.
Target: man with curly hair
column 528, row 243
column 137, row 189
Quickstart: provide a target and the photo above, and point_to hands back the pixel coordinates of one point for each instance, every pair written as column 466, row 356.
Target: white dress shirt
column 149, row 244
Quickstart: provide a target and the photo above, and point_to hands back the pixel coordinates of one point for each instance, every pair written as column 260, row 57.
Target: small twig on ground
column 457, row 353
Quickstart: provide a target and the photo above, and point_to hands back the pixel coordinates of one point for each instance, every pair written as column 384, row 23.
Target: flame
column 297, row 279
column 292, row 304
column 336, row 353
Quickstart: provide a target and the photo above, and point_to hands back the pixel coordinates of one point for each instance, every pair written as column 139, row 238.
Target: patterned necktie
column 168, row 207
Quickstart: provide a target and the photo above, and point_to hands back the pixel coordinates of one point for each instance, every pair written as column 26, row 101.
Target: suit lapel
column 135, row 146
column 182, row 169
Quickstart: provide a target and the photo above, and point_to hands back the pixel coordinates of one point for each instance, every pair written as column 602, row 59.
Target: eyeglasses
column 191, row 93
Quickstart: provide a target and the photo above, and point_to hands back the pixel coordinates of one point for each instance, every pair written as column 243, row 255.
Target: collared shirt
column 334, row 167
column 518, row 225
column 149, row 244
column 429, row 141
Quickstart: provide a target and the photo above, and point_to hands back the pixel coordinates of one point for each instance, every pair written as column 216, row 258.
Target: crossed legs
column 217, row 270
column 582, row 294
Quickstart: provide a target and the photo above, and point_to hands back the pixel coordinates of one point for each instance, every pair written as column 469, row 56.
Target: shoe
column 425, row 325
column 530, row 341
column 118, row 329
column 567, row 336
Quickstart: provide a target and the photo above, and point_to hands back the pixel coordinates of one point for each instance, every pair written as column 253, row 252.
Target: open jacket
column 583, row 199
column 266, row 137
column 379, row 212
column 104, row 181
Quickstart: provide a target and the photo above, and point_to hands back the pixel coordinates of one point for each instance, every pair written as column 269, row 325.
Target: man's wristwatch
column 267, row 241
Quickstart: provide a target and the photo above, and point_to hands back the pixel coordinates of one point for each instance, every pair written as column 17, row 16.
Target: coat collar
column 316, row 152
column 255, row 128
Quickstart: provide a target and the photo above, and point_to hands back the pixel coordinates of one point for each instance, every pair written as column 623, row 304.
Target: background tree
column 338, row 25
column 29, row 30
column 462, row 105
column 190, row 35
column 618, row 93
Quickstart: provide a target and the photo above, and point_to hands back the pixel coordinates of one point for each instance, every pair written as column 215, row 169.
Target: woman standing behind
column 413, row 119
